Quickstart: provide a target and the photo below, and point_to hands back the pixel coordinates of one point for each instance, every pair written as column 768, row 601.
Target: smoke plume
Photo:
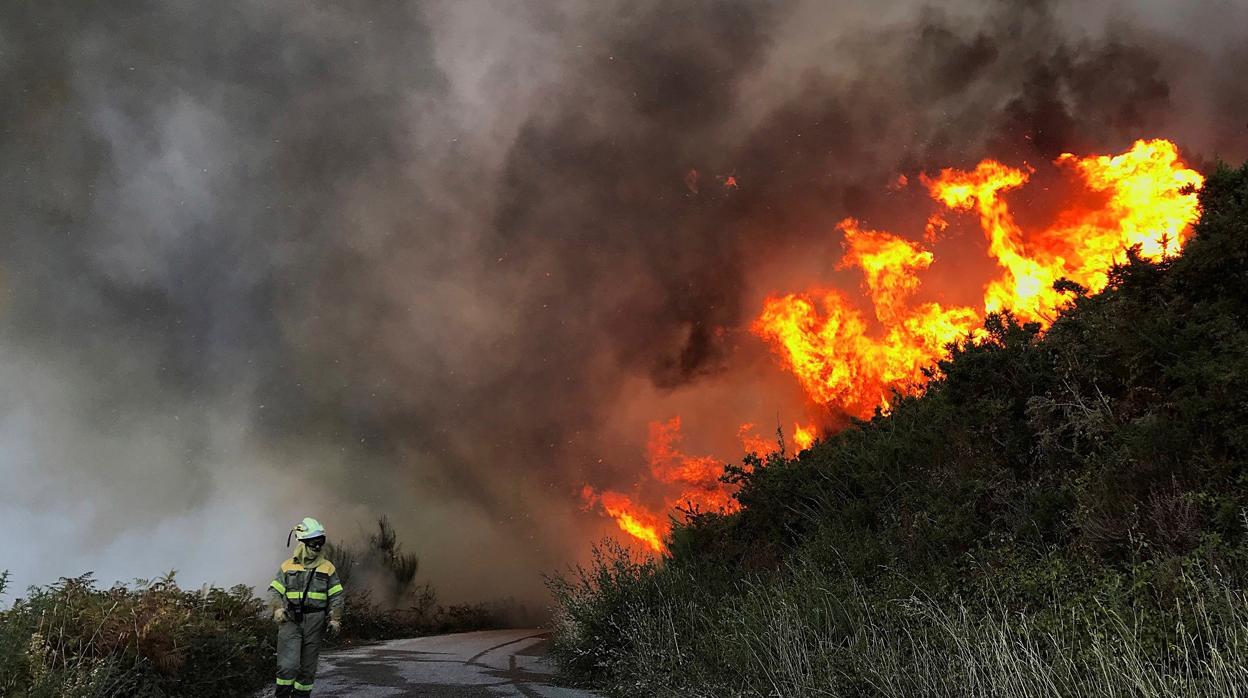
column 444, row 261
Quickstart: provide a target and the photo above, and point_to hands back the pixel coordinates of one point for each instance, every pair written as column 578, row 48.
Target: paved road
column 483, row 664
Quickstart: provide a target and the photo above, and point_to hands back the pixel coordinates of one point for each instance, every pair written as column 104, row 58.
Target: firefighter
column 305, row 590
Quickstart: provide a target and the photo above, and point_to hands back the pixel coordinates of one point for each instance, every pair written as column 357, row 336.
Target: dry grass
column 635, row 629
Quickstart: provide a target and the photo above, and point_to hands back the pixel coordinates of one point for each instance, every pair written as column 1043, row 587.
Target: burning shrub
column 1059, row 511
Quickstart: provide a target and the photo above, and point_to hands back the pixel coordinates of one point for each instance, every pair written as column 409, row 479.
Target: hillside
column 1059, row 512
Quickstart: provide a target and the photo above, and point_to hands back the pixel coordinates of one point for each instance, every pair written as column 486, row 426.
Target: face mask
column 304, row 555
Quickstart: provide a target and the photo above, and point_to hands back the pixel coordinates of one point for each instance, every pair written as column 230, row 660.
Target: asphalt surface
column 466, row 665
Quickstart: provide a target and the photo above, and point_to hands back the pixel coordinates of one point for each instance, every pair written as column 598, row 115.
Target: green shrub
column 593, row 609
column 156, row 639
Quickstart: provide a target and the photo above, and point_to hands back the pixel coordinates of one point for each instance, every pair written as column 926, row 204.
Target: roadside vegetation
column 1056, row 514
column 73, row 639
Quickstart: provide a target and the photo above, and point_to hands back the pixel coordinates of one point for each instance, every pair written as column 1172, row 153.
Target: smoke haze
column 444, row 261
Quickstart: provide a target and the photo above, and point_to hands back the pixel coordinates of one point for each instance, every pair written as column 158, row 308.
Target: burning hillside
column 850, row 364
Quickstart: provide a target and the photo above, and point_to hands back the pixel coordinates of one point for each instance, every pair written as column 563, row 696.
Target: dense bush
column 1057, row 513
column 155, row 639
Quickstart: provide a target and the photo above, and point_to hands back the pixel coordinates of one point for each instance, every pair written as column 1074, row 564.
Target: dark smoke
column 268, row 259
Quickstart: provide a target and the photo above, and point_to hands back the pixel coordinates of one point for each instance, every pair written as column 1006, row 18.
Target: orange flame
column 827, row 345
column 804, row 436
column 752, row 442
column 631, row 519
column 696, row 477
column 1150, row 201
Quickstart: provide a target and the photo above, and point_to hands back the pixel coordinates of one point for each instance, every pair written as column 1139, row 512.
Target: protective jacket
column 312, row 581
column 318, row 578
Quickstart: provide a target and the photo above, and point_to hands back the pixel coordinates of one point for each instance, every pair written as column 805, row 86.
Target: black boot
column 284, row 692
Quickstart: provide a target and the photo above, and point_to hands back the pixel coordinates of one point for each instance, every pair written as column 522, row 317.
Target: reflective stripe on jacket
column 324, row 590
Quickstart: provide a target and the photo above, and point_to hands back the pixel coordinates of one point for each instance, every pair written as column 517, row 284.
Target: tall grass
column 954, row 652
column 634, row 628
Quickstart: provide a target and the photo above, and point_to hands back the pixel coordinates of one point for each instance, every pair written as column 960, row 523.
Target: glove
column 279, row 615
column 335, row 626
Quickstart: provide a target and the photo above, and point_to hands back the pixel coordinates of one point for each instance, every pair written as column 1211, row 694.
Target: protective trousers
column 298, row 647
